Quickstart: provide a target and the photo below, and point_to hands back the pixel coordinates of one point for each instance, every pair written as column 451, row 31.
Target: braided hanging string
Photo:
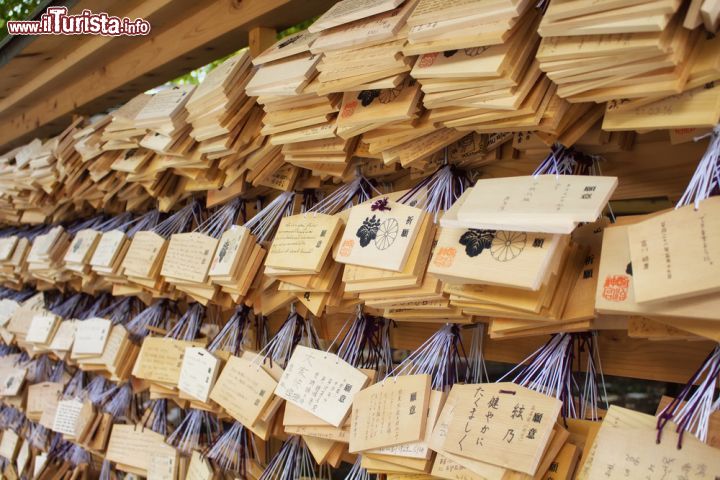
column 692, row 408
column 705, row 182
column 437, row 192
column 188, row 326
column 197, row 430
column 292, row 462
column 549, row 371
column 365, row 342
column 296, row 330
column 359, row 190
column 155, row 416
column 156, row 316
column 232, row 335
column 234, row 450
column 442, row 356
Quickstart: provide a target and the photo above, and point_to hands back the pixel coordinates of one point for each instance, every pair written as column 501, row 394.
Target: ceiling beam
column 211, row 30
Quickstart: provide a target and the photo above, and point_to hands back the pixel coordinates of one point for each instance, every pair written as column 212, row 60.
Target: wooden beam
column 210, row 30
column 50, row 72
column 260, row 39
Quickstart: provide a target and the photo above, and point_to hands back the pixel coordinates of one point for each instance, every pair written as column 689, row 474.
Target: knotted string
column 231, row 336
column 93, row 310
column 564, row 161
column 72, row 306
column 365, row 342
column 265, row 222
column 95, row 390
column 122, row 310
column 591, row 395
column 154, row 316
column 117, row 400
column 234, row 450
column 94, row 223
column 75, row 387
column 196, row 431
column 106, row 471
column 79, row 456
column 294, row 331
column 292, row 462
column 357, row 472
column 476, row 360
column 180, row 221
column 221, row 219
column 155, row 416
column 690, row 410
column 147, row 221
column 705, row 182
column 549, row 371
column 39, row 436
column 359, row 190
column 442, row 356
column 16, row 296
column 39, row 369
column 188, row 326
column 437, row 192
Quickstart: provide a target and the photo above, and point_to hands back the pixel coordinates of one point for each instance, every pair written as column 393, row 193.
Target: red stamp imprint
column 346, row 247
column 428, row 59
column 445, row 257
column 349, row 109
column 616, row 288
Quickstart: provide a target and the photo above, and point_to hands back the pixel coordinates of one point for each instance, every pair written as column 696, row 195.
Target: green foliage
column 15, row 10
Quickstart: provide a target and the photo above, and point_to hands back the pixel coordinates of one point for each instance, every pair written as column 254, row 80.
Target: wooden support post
column 260, row 39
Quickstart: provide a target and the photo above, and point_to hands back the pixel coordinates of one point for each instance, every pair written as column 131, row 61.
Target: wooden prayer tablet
column 163, row 105
column 379, row 237
column 347, row 11
column 616, row 285
column 91, row 336
column 368, row 31
column 417, row 450
column 695, row 108
column 72, row 417
column 135, row 447
column 188, row 257
column 82, row 246
column 284, row 77
column 293, row 44
column 244, row 388
column 429, row 11
column 361, row 108
column 233, row 243
column 160, row 360
column 42, row 328
column 326, row 372
column 523, row 421
column 7, row 309
column 108, row 248
column 198, row 373
column 514, row 202
column 636, row 432
column 14, row 376
column 7, row 247
column 145, row 253
column 672, row 253
column 302, row 242
column 495, row 257
column 403, row 401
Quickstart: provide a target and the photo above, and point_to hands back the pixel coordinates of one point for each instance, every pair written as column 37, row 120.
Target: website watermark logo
column 56, row 21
